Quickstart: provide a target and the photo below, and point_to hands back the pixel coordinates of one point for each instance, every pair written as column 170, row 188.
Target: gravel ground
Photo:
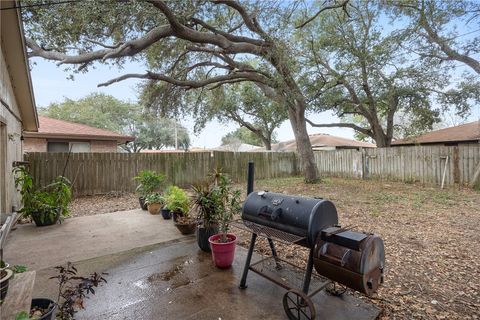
column 91, row 205
column 432, row 240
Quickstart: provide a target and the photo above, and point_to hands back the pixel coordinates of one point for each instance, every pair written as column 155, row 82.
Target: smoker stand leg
column 274, row 253
column 247, row 262
column 308, row 273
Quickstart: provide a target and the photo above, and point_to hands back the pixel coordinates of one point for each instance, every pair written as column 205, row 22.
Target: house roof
column 60, row 129
column 462, row 133
column 322, row 140
column 13, row 48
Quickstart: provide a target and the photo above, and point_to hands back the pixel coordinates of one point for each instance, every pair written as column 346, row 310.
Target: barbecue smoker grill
column 341, row 257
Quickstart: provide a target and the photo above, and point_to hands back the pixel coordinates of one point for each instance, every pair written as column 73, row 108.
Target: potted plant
column 47, row 205
column 223, row 244
column 5, row 276
column 72, row 290
column 148, row 183
column 154, row 203
column 166, row 213
column 178, row 203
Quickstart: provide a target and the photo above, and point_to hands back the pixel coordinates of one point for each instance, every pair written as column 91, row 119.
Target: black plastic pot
column 46, row 221
column 6, row 275
column 143, row 205
column 203, row 233
column 44, row 303
column 166, row 214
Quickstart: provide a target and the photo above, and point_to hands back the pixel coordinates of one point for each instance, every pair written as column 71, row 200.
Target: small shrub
column 73, row 289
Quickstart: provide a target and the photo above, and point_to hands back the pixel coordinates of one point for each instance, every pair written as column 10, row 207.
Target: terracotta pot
column 154, row 208
column 186, row 228
column 223, row 253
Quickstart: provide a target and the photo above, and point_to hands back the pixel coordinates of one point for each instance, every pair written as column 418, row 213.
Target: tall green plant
column 216, row 201
column 149, row 182
column 177, row 200
column 48, row 201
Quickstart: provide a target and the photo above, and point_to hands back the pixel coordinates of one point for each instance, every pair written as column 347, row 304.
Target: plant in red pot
column 223, row 244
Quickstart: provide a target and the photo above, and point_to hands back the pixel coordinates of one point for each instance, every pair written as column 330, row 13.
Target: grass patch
column 375, row 212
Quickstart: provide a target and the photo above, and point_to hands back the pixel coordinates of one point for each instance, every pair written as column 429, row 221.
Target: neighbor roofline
column 120, row 139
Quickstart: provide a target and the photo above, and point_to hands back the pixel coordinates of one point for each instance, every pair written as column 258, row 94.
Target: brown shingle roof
column 462, row 133
column 60, row 129
column 322, row 140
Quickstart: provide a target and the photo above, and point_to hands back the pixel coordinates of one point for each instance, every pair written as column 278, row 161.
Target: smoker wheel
column 336, row 289
column 298, row 305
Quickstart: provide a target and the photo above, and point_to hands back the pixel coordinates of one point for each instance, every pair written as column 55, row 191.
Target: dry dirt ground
column 432, row 240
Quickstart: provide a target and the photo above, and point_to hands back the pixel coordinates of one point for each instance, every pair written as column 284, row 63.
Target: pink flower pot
column 223, row 253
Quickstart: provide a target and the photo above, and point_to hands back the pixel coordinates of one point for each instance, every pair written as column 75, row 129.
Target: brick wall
column 103, row 146
column 35, row 145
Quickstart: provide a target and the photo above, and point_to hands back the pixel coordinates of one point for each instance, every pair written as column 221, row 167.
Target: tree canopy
column 243, row 135
column 302, row 56
column 369, row 77
column 106, row 112
column 96, row 109
column 186, row 44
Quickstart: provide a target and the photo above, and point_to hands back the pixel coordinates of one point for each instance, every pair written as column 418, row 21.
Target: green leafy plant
column 18, row 268
column 149, row 182
column 216, row 201
column 73, row 289
column 230, row 204
column 22, row 315
column 177, row 201
column 154, row 198
column 46, row 202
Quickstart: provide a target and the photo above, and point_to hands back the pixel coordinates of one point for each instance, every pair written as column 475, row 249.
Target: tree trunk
column 267, row 143
column 304, row 148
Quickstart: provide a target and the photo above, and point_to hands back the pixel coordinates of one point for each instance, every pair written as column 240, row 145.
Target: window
column 58, row 147
column 54, row 146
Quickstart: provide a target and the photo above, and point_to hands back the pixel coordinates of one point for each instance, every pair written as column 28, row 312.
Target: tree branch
column 341, row 125
column 187, row 84
column 251, row 23
column 185, row 33
column 129, row 48
column 434, row 37
column 342, row 4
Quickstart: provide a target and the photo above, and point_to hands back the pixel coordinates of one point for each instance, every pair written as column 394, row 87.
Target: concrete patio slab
column 86, row 237
column 178, row 281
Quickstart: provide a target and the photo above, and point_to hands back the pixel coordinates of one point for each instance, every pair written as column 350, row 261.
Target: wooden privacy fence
column 97, row 173
column 425, row 164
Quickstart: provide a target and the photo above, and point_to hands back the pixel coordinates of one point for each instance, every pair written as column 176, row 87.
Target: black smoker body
column 354, row 259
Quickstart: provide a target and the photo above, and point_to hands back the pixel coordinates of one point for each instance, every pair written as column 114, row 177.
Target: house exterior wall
column 40, row 145
column 35, row 145
column 103, row 146
column 12, row 131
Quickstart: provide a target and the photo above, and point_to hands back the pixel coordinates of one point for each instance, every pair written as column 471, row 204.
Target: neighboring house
column 17, row 105
column 468, row 133
column 322, row 141
column 60, row 136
